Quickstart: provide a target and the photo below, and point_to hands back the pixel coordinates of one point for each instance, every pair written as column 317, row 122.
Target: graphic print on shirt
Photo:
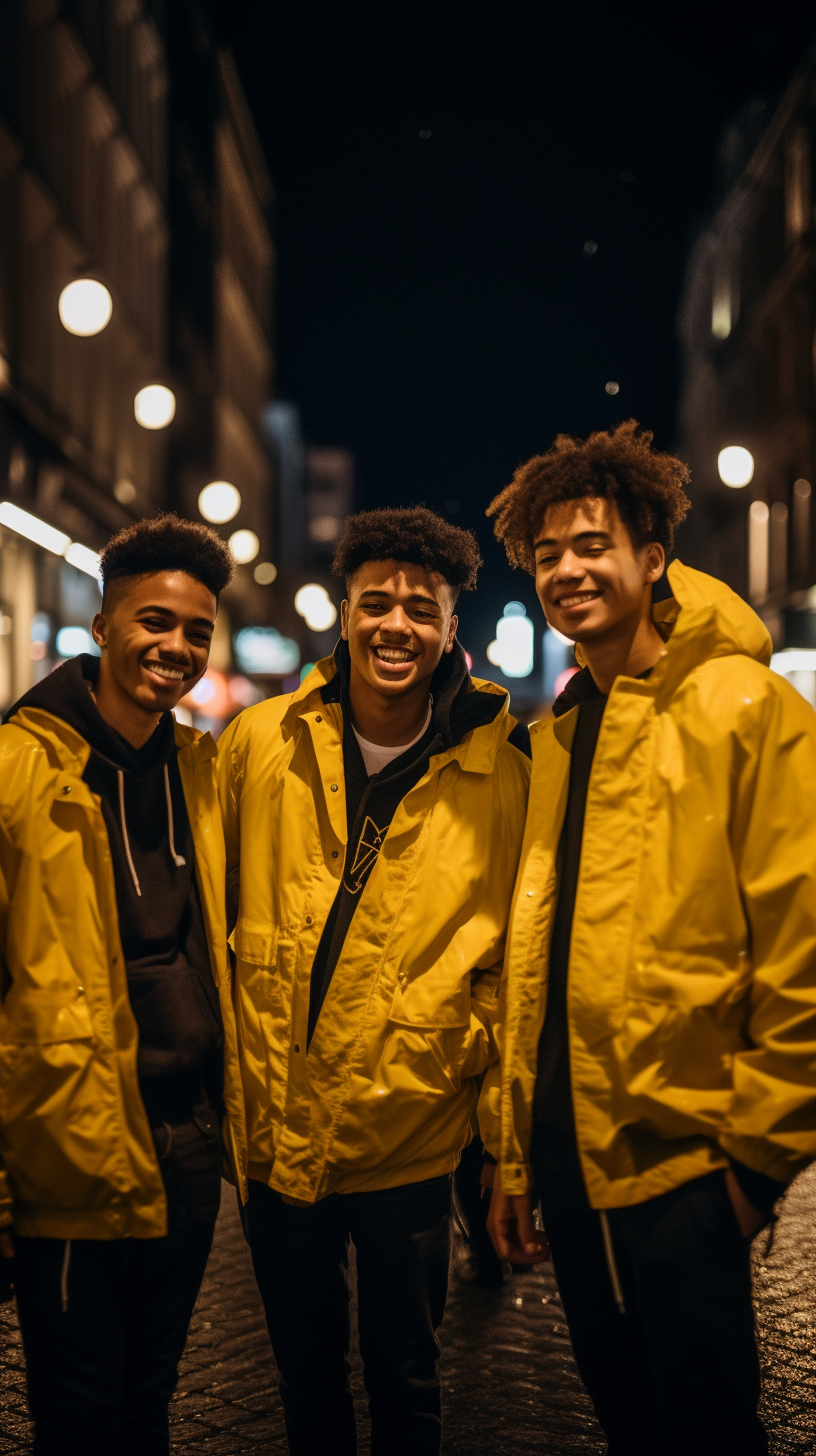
column 368, row 848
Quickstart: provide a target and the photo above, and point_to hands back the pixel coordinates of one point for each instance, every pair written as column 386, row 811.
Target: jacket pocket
column 42, row 1020
column 255, row 944
column 430, row 1001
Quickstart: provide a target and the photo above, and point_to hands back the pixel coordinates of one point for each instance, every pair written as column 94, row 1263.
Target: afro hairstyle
column 168, row 543
column 412, row 534
column 648, row 488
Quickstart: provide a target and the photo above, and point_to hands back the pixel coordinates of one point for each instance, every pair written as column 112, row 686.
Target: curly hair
column 411, row 534
column 647, row 487
column 168, row 543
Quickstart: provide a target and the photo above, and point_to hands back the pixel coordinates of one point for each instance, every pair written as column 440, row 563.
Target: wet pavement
column 509, row 1379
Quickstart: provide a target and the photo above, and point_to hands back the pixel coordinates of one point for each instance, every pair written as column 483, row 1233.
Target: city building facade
column 748, row 336
column 128, row 159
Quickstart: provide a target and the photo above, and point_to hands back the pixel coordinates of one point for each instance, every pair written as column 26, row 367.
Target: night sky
column 439, row 169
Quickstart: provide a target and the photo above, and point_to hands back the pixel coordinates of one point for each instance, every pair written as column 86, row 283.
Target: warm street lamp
column 736, row 466
column 314, row 604
column 154, row 406
column 244, row 546
column 85, row 307
column 265, row 573
column 219, row 502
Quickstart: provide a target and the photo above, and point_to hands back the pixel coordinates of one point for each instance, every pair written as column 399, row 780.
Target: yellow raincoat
column 386, row 1093
column 692, row 973
column 76, row 1154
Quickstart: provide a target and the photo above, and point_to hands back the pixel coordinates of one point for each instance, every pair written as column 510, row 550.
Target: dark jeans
column 103, row 1332
column 678, row 1373
column 300, row 1255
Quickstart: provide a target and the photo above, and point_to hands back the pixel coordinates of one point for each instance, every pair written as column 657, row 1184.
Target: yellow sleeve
column 228, row 773
column 772, row 1122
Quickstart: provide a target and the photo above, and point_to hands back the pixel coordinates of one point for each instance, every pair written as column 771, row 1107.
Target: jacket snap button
column 66, row 788
column 334, row 788
column 318, row 719
column 529, row 894
column 80, row 990
column 297, row 1047
column 334, row 854
column 308, row 920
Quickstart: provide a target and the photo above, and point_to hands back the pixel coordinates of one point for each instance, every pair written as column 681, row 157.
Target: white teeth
column 173, row 674
column 578, row 599
column 393, row 654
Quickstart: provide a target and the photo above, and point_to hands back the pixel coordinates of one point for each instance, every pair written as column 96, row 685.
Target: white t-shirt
column 376, row 757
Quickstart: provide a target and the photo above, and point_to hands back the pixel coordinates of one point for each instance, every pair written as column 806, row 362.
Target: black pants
column 402, row 1241
column 104, row 1328
column 678, row 1373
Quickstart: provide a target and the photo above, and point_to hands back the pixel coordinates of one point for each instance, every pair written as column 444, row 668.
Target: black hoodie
column 170, row 982
column 372, row 802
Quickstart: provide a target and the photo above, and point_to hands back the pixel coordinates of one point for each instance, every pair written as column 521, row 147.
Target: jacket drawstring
column 66, row 1262
column 610, row 1261
column 123, row 823
column 178, row 859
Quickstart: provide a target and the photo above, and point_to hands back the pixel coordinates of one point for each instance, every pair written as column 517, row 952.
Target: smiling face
column 591, row 580
column 398, row 621
column 155, row 632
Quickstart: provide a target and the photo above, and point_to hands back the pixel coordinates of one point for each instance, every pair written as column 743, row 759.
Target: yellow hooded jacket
column 386, row 1092
column 76, row 1153
column 692, row 971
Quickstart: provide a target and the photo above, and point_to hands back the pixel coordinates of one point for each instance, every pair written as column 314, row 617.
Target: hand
column 511, row 1227
column 6, row 1246
column 749, row 1219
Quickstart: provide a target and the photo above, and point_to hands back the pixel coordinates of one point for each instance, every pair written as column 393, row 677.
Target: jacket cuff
column 760, row 1190
column 515, row 1178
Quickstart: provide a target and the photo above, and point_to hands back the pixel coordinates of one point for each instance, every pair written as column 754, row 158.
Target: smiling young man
column 373, row 823
column 658, row 1023
column 118, row 1060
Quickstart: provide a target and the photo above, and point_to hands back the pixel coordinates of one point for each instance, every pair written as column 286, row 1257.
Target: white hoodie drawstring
column 66, row 1261
column 123, row 823
column 178, row 859
column 610, row 1262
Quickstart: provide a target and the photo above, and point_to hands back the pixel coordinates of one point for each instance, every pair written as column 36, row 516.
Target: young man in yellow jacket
column 658, row 1026
column 118, row 1058
column 373, row 825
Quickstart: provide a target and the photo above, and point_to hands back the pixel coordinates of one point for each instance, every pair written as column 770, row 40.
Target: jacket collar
column 476, row 751
column 703, row 619
column 72, row 750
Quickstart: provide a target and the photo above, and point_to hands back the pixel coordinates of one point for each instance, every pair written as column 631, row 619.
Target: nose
column 174, row 644
column 396, row 623
column 569, row 567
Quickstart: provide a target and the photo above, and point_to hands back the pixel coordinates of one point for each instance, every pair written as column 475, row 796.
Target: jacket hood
column 703, row 619
column 66, row 694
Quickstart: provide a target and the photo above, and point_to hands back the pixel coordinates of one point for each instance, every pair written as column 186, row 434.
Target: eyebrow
column 166, row 612
column 582, row 536
column 414, row 597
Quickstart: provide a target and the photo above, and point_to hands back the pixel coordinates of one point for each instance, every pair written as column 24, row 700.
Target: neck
column 628, row 649
column 135, row 724
column 384, row 720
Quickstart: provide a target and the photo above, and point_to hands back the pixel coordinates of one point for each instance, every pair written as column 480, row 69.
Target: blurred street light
column 33, row 528
column 244, row 546
column 85, row 307
column 736, row 466
column 512, row 650
column 314, row 604
column 219, row 502
column 265, row 573
column 154, row 406
column 83, row 558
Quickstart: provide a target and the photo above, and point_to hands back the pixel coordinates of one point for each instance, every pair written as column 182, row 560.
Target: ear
column 99, row 630
column 655, row 561
column 344, row 619
column 451, row 637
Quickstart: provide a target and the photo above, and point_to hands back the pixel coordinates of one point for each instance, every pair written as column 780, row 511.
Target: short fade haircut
column 167, row 543
column 620, row 465
column 412, row 534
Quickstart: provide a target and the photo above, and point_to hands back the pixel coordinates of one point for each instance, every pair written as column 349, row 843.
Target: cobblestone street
column 510, row 1383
